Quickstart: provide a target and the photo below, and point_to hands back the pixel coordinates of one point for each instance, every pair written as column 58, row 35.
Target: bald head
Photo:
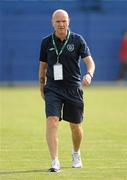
column 59, row 12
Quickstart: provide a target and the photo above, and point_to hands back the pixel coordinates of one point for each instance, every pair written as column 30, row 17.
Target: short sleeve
column 43, row 51
column 84, row 49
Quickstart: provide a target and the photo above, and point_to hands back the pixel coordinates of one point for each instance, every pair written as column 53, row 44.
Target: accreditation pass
column 58, row 71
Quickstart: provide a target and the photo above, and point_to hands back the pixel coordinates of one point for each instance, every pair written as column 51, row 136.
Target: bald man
column 61, row 86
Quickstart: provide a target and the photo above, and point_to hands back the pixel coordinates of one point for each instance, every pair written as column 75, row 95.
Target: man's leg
column 51, row 136
column 77, row 135
column 122, row 72
column 52, row 141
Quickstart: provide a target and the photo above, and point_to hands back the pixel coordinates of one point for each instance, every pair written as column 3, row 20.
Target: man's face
column 60, row 22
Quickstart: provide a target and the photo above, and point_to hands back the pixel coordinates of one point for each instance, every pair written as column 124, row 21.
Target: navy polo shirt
column 75, row 49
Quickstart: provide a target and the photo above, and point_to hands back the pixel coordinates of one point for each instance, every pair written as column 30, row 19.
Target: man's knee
column 76, row 127
column 52, row 121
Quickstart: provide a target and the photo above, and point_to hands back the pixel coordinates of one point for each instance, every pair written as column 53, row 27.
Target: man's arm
column 90, row 70
column 42, row 77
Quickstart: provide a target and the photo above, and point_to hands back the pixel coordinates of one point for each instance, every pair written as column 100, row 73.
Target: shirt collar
column 58, row 39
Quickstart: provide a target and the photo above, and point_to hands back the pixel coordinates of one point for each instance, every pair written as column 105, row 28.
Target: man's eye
column 60, row 21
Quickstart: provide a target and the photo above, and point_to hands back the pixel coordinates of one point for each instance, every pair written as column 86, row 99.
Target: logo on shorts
column 70, row 47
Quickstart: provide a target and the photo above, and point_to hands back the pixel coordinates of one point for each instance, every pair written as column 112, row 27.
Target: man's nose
column 61, row 23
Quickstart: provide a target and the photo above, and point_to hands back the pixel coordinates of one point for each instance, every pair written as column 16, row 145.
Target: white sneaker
column 55, row 166
column 76, row 160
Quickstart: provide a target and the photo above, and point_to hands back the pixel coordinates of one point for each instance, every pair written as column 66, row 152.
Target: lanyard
column 62, row 48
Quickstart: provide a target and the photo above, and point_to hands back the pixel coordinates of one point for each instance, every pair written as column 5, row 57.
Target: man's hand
column 86, row 80
column 42, row 91
column 90, row 70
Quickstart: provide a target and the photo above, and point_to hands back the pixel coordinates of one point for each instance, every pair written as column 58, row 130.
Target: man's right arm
column 42, row 76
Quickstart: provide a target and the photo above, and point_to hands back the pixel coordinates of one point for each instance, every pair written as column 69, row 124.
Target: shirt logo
column 70, row 47
column 51, row 49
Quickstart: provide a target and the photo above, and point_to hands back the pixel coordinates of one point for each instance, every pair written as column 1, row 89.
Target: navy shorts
column 65, row 103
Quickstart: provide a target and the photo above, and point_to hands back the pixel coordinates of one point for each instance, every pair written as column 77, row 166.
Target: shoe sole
column 77, row 167
column 53, row 170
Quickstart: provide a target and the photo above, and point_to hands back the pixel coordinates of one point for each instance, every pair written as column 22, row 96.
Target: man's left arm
column 90, row 65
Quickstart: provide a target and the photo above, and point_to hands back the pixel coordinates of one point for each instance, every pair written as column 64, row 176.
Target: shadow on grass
column 28, row 171
column 23, row 171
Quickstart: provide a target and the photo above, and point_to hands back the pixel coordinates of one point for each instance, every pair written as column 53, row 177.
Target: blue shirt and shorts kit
column 64, row 98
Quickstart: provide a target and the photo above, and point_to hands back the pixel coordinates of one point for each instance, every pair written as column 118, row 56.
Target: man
column 60, row 84
column 123, row 57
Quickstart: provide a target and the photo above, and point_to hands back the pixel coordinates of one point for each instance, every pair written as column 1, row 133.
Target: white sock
column 73, row 151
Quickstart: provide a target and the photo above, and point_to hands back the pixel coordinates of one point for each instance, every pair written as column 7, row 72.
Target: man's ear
column 52, row 23
column 68, row 21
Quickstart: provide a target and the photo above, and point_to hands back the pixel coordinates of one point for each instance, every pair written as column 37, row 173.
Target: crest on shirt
column 70, row 47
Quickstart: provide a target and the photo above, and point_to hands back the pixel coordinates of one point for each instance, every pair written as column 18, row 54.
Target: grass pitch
column 23, row 149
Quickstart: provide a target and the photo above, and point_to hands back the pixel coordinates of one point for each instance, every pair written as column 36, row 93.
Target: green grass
column 23, row 149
